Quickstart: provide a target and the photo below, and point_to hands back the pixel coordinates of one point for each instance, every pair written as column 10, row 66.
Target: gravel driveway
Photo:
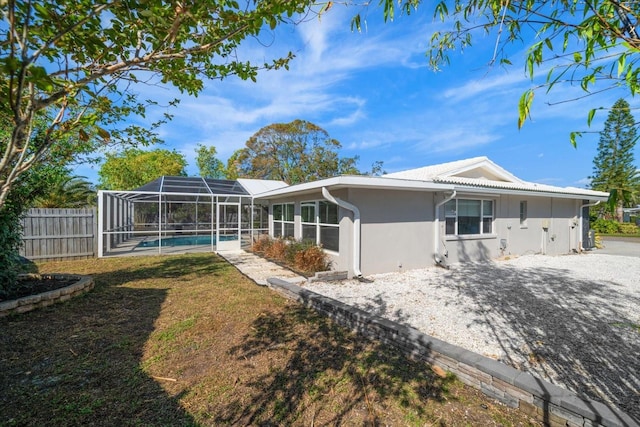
column 573, row 320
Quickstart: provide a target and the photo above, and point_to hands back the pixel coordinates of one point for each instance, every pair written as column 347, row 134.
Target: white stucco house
column 467, row 210
column 462, row 211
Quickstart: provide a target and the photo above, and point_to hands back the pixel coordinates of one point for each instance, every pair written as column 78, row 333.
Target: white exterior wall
column 551, row 228
column 398, row 229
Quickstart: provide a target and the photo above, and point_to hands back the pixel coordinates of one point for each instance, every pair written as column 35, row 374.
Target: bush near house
column 610, row 226
column 303, row 255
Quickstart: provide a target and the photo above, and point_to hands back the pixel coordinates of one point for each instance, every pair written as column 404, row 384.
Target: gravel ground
column 573, row 320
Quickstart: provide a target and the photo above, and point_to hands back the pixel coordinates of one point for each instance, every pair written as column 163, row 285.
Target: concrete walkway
column 259, row 269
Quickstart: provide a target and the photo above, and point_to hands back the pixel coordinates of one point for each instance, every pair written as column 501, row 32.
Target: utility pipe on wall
column 581, row 233
column 356, row 227
column 436, row 223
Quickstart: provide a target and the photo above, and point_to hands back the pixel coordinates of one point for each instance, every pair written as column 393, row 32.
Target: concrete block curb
column 538, row 398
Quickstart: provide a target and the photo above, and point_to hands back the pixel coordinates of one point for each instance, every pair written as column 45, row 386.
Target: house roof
column 476, row 167
column 257, row 186
column 478, row 174
column 351, row 181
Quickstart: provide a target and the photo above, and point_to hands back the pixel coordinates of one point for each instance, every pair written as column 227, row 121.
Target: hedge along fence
column 552, row 405
column 54, row 234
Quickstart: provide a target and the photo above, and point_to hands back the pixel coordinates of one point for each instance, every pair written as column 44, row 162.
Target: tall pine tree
column 614, row 168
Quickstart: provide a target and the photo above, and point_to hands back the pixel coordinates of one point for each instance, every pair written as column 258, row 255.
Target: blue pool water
column 183, row 241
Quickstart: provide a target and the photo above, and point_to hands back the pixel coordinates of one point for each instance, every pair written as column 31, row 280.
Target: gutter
column 436, row 235
column 356, row 228
column 581, row 220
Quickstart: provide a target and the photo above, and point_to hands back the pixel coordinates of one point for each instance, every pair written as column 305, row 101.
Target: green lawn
column 188, row 340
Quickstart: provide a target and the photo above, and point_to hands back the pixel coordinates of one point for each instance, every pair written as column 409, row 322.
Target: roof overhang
column 577, row 195
column 348, row 181
column 386, row 183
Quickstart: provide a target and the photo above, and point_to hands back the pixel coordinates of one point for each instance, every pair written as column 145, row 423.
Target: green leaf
column 622, row 63
column 356, row 23
column 441, row 11
column 572, row 138
column 524, row 107
column 11, row 64
column 592, row 113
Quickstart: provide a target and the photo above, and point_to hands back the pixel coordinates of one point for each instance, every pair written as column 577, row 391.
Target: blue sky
column 374, row 92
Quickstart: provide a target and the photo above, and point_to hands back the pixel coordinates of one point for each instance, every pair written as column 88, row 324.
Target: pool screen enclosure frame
column 179, row 214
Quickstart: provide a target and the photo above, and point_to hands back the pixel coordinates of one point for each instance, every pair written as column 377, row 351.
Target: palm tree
column 69, row 192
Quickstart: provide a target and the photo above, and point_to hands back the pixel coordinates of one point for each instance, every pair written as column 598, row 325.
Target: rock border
column 546, row 402
column 44, row 299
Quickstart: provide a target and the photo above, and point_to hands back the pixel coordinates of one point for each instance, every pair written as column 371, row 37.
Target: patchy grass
column 188, row 340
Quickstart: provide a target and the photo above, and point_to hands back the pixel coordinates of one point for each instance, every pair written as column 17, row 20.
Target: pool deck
column 131, row 248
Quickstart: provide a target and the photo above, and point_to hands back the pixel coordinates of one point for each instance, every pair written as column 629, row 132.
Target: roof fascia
column 349, row 181
column 499, row 191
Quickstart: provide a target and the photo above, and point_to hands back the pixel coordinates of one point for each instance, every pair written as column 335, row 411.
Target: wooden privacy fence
column 54, row 234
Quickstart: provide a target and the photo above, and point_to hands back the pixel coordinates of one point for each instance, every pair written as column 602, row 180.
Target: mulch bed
column 32, row 285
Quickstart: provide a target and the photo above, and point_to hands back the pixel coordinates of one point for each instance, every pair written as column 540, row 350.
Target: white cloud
column 584, row 182
column 489, row 84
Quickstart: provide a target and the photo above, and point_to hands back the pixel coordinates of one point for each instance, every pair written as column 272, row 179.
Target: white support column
column 108, row 212
column 100, row 223
column 160, row 223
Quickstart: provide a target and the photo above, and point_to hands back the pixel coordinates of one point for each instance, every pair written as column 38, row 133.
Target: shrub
column 598, row 241
column 261, row 244
column 626, row 228
column 606, row 226
column 302, row 255
column 296, row 247
column 311, row 259
column 10, row 241
column 609, row 226
column 277, row 250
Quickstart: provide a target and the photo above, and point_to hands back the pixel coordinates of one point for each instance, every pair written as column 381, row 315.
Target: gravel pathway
column 573, row 320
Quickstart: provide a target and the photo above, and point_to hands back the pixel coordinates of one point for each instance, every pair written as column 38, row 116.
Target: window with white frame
column 283, row 225
column 309, row 221
column 319, row 222
column 468, row 216
column 523, row 214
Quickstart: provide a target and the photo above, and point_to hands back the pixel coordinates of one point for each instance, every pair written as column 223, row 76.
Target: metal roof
column 468, row 175
column 183, row 188
column 194, row 185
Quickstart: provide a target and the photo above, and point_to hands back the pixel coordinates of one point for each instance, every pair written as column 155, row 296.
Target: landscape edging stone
column 538, row 398
column 44, row 299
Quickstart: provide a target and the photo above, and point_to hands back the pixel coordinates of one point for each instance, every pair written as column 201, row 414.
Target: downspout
column 436, row 222
column 581, row 220
column 356, row 228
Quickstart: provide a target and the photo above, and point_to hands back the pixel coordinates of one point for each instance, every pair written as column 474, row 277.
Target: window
column 309, row 221
column 523, row 214
column 283, row 220
column 468, row 216
column 319, row 222
column 487, row 216
column 329, row 227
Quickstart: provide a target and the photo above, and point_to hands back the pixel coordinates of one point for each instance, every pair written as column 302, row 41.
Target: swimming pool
column 184, row 241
